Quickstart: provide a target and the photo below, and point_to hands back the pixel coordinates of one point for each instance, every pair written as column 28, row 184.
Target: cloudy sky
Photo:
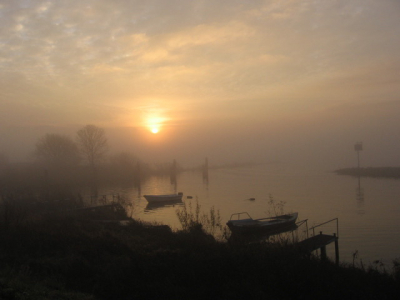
column 272, row 80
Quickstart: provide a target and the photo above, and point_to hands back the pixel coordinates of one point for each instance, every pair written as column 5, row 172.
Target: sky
column 263, row 81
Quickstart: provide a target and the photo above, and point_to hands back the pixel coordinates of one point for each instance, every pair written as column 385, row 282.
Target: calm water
column 367, row 209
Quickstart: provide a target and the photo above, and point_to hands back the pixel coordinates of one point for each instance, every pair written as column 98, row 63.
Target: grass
column 70, row 257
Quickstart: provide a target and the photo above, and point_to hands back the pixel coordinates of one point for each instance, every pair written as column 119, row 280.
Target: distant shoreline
column 380, row 172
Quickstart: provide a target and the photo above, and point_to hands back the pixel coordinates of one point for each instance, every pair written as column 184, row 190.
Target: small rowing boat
column 163, row 198
column 272, row 225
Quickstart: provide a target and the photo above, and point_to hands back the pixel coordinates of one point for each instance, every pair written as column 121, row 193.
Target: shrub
column 192, row 221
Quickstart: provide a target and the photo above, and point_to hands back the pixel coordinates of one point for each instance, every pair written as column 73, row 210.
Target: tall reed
column 192, row 218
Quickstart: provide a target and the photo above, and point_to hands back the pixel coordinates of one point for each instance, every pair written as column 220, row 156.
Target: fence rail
column 337, row 226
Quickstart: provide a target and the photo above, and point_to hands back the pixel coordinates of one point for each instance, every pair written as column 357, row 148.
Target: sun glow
column 154, row 119
column 154, row 124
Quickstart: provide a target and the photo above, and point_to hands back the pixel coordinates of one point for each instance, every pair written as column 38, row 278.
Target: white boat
column 163, row 198
column 272, row 225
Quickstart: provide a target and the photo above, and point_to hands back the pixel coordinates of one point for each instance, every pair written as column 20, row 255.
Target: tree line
column 63, row 163
column 91, row 145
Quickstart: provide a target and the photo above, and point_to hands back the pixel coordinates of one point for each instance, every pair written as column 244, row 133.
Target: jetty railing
column 337, row 226
column 299, row 223
column 320, row 241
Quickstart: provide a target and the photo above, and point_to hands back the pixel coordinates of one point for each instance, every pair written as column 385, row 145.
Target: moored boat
column 271, row 225
column 163, row 198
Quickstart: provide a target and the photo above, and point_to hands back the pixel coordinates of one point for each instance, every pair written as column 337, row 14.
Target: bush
column 195, row 221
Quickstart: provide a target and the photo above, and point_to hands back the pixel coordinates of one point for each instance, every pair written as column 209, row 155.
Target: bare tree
column 92, row 143
column 59, row 157
column 55, row 149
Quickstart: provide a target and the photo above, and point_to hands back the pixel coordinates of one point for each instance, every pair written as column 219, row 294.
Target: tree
column 57, row 150
column 92, row 143
column 59, row 156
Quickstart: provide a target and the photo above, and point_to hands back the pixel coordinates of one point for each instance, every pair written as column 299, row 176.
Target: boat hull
column 270, row 226
column 163, row 198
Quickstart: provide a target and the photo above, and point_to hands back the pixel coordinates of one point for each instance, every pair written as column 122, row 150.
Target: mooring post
column 205, row 171
column 323, row 253
column 138, row 175
column 173, row 172
column 336, row 248
column 323, row 250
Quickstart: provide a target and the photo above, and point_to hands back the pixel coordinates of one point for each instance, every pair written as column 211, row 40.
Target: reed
column 66, row 258
column 193, row 219
column 275, row 208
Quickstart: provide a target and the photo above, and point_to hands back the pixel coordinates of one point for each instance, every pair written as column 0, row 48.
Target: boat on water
column 243, row 223
column 163, row 198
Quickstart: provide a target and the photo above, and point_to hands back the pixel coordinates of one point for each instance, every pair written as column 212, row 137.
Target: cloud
column 265, row 62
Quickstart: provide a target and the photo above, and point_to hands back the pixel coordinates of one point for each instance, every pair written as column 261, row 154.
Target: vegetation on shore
column 63, row 255
column 384, row 172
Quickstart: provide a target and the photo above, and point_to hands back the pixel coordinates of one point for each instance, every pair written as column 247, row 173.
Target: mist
column 324, row 142
column 111, row 109
column 265, row 81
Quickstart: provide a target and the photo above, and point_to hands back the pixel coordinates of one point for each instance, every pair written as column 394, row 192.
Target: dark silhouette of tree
column 59, row 157
column 57, row 150
column 93, row 144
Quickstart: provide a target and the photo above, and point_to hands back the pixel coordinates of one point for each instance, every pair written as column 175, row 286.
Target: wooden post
column 205, row 171
column 307, row 228
column 323, row 253
column 174, row 181
column 173, row 172
column 336, row 248
column 323, row 250
column 138, row 175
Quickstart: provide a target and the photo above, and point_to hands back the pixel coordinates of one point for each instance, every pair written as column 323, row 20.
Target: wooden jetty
column 313, row 243
column 309, row 244
column 320, row 241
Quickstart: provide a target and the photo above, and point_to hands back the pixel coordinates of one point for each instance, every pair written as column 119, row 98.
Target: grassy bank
column 383, row 172
column 69, row 257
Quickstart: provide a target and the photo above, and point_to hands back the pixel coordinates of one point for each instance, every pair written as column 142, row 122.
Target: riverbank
column 384, row 172
column 67, row 257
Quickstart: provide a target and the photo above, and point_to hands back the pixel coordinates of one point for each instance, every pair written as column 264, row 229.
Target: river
column 367, row 209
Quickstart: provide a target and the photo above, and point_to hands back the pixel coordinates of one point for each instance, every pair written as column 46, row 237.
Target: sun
column 155, row 130
column 154, row 122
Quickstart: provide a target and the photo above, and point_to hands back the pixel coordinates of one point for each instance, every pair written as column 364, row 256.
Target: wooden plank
column 316, row 242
